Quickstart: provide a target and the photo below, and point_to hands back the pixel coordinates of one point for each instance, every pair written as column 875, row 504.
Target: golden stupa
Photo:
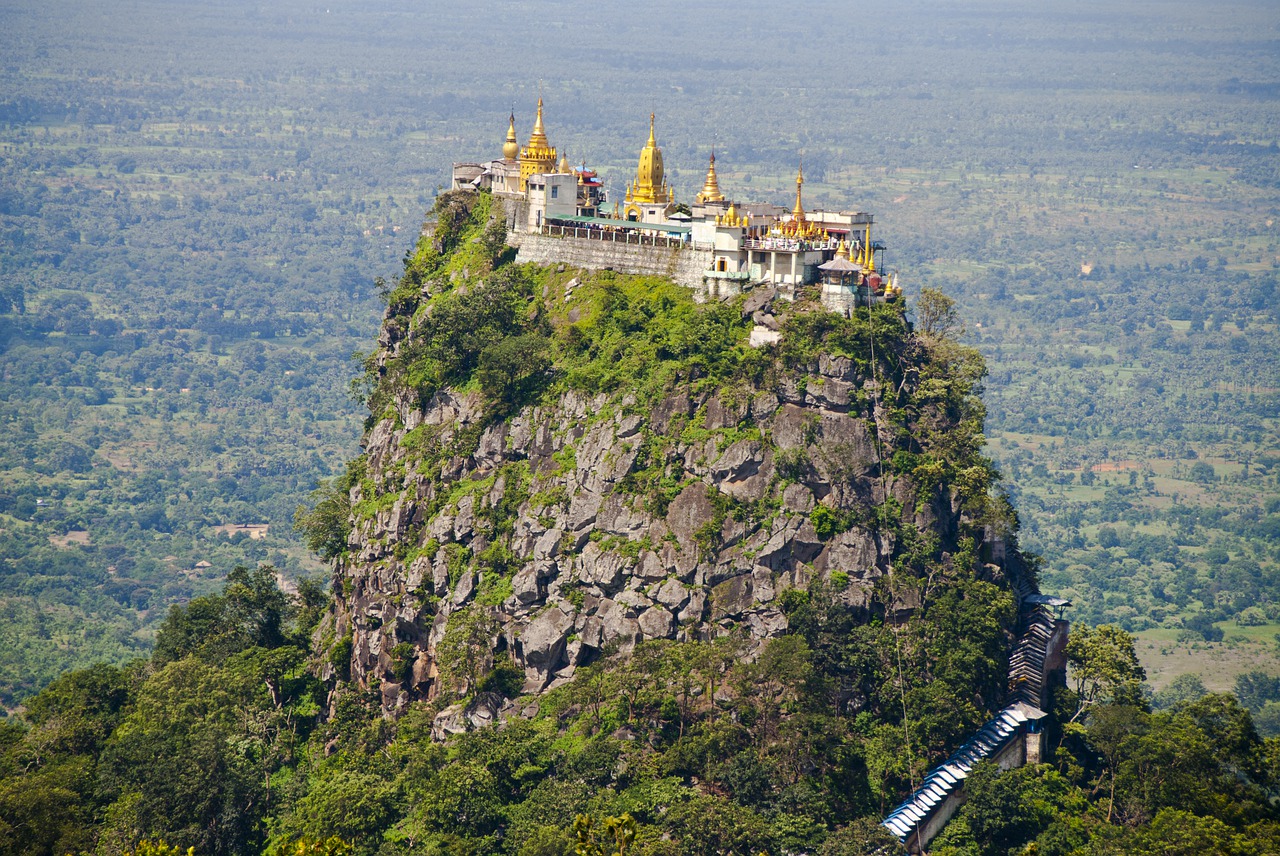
column 650, row 186
column 798, row 226
column 711, row 187
column 538, row 155
column 511, row 148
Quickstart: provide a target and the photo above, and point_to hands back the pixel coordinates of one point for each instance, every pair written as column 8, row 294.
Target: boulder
column 672, row 594
column 732, row 597
column 616, row 625
column 524, row 585
column 548, row 544
column 543, row 640
column 448, row 722
column 465, row 586
column 485, row 709
column 687, row 512
column 760, row 298
column 766, row 623
column 602, row 568
column 656, row 623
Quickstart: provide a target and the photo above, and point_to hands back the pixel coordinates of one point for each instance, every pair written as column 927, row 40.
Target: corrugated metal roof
column 945, row 779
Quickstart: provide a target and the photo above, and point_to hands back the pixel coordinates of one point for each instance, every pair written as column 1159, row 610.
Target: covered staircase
column 1012, row 738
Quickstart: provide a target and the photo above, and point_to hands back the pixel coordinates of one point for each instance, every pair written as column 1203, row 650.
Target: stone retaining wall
column 683, row 265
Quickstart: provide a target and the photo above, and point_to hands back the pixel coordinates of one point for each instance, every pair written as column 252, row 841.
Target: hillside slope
column 565, row 463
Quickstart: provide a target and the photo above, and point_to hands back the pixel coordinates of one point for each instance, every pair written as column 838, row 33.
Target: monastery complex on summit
column 717, row 246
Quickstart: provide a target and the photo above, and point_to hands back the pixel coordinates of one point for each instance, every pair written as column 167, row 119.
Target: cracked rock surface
column 588, row 524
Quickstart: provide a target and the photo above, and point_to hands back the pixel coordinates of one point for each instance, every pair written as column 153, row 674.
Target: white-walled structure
column 734, row 247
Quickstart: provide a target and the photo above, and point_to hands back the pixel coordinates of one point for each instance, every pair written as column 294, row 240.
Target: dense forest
column 194, row 203
column 216, row 743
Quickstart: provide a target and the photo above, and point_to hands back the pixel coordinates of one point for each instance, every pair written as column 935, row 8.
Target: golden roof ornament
column 842, row 251
column 539, row 156
column 797, row 213
column 650, row 186
column 511, row 148
column 711, row 187
column 538, row 139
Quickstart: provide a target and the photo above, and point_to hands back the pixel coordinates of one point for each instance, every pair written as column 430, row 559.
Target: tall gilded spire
column 539, row 156
column 511, row 148
column 538, row 139
column 650, row 186
column 711, row 187
column 797, row 213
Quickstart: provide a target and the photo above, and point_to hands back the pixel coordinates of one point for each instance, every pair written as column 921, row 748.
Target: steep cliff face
column 634, row 470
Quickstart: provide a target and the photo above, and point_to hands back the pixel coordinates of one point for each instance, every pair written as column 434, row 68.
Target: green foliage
column 512, row 371
column 1103, row 665
column 505, row 678
column 829, row 522
column 119, row 367
column 465, row 653
column 864, row 837
column 1255, row 689
column 1182, row 689
column 348, row 804
column 326, row 524
column 331, row 846
column 1003, row 810
column 250, row 612
column 147, row 847
column 811, row 754
column 485, row 331
column 613, row 836
column 937, row 316
column 639, row 334
column 793, row 464
column 340, row 656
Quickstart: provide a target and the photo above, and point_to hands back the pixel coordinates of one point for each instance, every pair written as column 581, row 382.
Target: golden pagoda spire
column 842, row 251
column 511, row 148
column 711, row 187
column 650, row 186
column 564, row 168
column 539, row 156
column 538, row 139
column 797, row 213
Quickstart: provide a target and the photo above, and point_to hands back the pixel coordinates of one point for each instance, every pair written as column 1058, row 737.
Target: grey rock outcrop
column 591, row 524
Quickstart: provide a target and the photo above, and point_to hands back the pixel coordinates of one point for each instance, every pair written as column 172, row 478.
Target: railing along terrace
column 617, row 236
column 790, row 245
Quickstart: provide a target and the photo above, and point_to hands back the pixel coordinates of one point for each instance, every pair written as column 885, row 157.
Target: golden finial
column 511, row 148
column 650, row 186
column 842, row 251
column 798, row 212
column 564, row 167
column 538, row 139
column 711, row 187
column 538, row 156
